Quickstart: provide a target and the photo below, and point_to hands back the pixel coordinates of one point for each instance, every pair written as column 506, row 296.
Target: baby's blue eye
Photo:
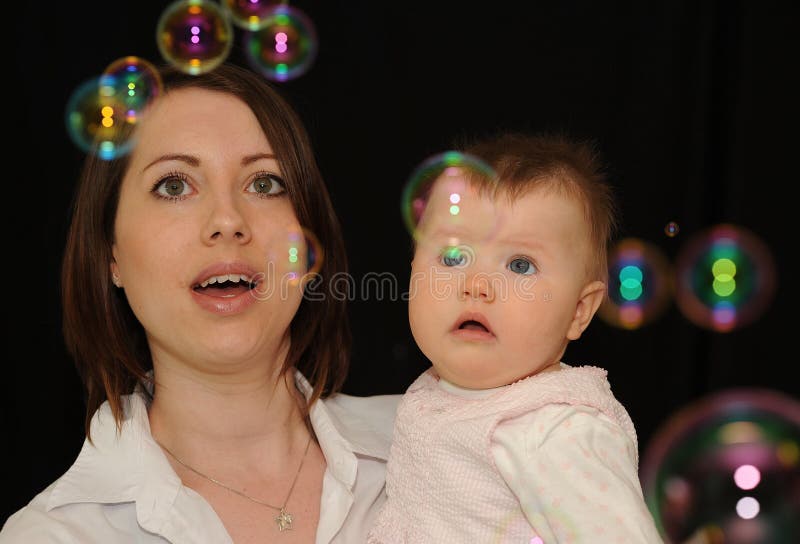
column 454, row 256
column 522, row 266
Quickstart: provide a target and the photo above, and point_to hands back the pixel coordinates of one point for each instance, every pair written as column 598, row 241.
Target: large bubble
column 726, row 469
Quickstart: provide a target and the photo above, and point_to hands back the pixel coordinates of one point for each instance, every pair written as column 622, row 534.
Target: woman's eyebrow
column 249, row 159
column 188, row 159
column 191, row 160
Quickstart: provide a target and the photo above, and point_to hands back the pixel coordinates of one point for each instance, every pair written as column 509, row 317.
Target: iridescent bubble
column 294, row 256
column 135, row 81
column 194, row 35
column 451, row 173
column 250, row 14
column 97, row 119
column 285, row 46
column 671, row 229
column 639, row 284
column 714, row 471
column 303, row 253
column 725, row 278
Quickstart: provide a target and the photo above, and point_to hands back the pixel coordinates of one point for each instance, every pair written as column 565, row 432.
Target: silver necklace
column 284, row 519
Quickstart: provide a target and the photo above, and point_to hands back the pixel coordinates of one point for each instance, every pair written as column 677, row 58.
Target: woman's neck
column 256, row 410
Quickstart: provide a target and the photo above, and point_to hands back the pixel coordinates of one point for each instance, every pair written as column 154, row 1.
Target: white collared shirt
column 123, row 489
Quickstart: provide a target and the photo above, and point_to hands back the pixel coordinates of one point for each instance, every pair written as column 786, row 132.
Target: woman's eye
column 173, row 187
column 267, row 185
column 455, row 256
column 521, row 266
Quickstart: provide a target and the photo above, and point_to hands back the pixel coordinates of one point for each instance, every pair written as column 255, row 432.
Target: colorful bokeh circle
column 451, row 172
column 640, row 284
column 672, row 229
column 250, row 14
column 285, row 45
column 97, row 119
column 725, row 278
column 726, row 469
column 195, row 36
column 135, row 81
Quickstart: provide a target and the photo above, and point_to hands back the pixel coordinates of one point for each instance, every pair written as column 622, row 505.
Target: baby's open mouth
column 473, row 326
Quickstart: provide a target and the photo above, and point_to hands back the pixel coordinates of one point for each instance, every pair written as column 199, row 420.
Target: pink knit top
column 441, row 481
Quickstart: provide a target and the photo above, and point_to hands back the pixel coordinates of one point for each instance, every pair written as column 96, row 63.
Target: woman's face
column 202, row 218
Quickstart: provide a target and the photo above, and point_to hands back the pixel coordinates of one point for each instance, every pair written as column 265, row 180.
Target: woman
column 212, row 409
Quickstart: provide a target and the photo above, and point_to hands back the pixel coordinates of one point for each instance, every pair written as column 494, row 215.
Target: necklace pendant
column 284, row 521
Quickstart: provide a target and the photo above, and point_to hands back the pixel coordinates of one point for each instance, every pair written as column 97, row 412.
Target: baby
column 500, row 441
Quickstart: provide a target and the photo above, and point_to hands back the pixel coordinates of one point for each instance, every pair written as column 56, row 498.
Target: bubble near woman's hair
column 639, row 284
column 284, row 47
column 725, row 278
column 195, row 36
column 450, row 173
column 726, row 469
column 250, row 14
column 97, row 119
column 135, row 81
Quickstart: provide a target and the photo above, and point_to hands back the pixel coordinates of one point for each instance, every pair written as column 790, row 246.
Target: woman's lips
column 223, row 301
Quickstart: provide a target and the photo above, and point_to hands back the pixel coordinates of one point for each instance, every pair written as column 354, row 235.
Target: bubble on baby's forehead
column 135, row 81
column 98, row 121
column 250, row 14
column 195, row 36
column 443, row 181
column 285, row 45
column 639, row 284
column 726, row 468
column 725, row 278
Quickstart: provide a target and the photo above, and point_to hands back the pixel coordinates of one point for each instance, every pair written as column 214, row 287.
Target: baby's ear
column 589, row 301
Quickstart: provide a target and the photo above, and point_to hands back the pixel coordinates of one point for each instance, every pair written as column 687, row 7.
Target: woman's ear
column 589, row 301
column 114, row 269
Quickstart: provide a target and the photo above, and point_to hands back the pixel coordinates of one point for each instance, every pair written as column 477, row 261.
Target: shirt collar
column 130, row 467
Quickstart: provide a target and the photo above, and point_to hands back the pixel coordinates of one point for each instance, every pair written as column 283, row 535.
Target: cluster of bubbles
column 197, row 35
column 723, row 279
column 726, row 469
column 194, row 36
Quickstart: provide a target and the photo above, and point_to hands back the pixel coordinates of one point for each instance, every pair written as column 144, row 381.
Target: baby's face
column 498, row 290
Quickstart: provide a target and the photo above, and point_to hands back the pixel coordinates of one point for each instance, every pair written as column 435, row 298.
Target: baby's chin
column 474, row 374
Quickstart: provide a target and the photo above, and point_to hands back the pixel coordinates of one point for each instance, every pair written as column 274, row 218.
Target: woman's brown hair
column 101, row 333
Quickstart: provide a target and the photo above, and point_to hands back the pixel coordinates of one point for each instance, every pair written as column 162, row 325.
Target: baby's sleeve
column 574, row 472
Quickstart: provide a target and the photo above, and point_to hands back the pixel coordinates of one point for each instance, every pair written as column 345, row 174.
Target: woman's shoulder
column 35, row 524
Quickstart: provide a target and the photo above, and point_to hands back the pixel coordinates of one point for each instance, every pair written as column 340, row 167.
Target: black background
column 693, row 102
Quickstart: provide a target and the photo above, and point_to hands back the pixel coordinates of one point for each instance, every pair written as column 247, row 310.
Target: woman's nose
column 226, row 222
